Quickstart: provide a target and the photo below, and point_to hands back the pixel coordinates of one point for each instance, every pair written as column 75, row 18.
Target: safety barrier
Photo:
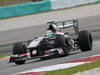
column 24, row 9
column 37, row 7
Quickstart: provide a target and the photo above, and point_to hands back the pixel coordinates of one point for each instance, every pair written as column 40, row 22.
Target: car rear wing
column 67, row 24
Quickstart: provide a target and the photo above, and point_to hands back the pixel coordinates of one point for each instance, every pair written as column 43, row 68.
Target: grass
column 95, row 30
column 4, row 55
column 72, row 70
column 11, row 2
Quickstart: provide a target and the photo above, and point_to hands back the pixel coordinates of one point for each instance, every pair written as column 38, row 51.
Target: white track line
column 57, row 66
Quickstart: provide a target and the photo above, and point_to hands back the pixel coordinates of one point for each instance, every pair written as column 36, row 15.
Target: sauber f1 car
column 53, row 43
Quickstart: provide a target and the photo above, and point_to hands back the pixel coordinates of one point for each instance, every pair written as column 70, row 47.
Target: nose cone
column 35, row 43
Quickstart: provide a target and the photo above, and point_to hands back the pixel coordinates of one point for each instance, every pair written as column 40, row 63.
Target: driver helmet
column 53, row 28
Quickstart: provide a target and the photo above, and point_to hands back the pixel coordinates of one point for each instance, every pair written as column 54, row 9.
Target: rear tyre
column 60, row 43
column 85, row 40
column 19, row 48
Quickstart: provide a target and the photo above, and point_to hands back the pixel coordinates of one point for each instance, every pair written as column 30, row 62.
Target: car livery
column 53, row 43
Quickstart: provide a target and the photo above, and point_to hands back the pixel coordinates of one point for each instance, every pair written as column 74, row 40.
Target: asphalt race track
column 10, row 68
column 11, row 36
column 8, row 48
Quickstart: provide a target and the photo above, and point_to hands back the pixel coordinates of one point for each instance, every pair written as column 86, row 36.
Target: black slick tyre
column 60, row 43
column 20, row 62
column 85, row 40
column 19, row 48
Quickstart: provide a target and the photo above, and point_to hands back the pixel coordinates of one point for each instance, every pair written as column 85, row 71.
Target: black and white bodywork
column 53, row 43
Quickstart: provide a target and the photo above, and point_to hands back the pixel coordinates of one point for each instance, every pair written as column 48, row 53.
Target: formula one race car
column 53, row 43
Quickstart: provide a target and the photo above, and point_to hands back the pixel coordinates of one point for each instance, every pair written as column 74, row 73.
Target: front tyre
column 19, row 48
column 20, row 62
column 85, row 40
